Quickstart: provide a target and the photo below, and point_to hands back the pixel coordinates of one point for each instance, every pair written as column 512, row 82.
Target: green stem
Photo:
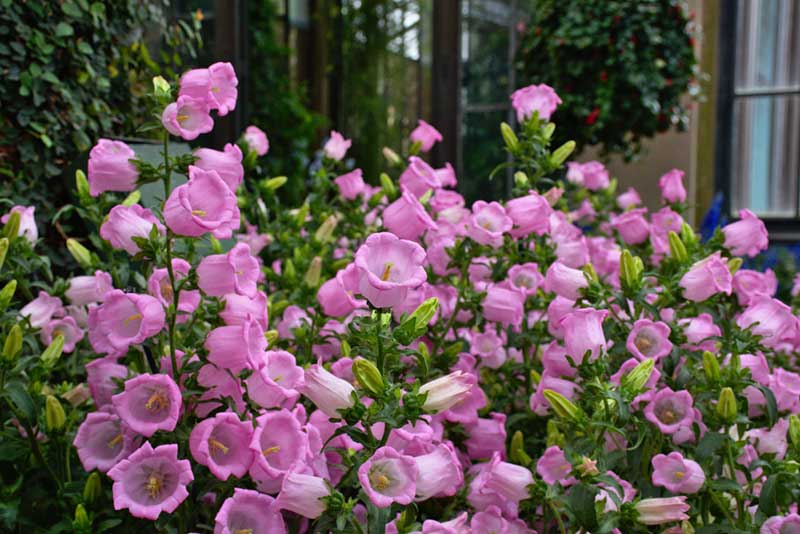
column 37, row 452
column 378, row 344
column 172, row 311
column 560, row 522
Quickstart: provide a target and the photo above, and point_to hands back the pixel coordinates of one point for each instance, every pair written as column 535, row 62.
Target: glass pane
column 482, row 152
column 485, row 51
column 764, row 173
column 768, row 45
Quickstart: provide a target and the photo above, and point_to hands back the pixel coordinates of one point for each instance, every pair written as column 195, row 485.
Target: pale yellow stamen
column 387, row 270
column 153, row 486
column 668, row 416
column 243, row 531
column 157, row 401
column 199, row 213
column 381, row 482
column 270, row 450
column 166, row 289
column 134, row 317
column 643, row 343
column 278, row 378
column 216, row 445
column 215, row 89
column 182, row 117
column 679, row 475
column 116, row 441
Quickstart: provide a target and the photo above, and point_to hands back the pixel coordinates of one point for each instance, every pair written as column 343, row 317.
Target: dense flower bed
column 384, row 359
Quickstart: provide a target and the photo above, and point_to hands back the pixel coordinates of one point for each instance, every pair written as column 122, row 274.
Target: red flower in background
column 592, row 117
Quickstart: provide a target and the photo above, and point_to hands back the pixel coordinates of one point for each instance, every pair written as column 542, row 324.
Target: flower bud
column 423, row 358
column 588, row 467
column 687, row 234
column 302, row 213
column 13, row 344
column 590, row 273
column 554, row 436
column 677, row 250
column 82, row 186
column 53, row 351
column 726, row 405
column 93, row 488
column 54, row 416
column 369, row 376
column 794, row 430
column 446, row 391
column 11, row 228
column 424, row 312
column 161, row 88
column 548, row 130
column 346, row 349
column 133, row 198
column 77, row 395
column 82, row 523
column 80, row 253
column 424, row 199
column 734, row 264
column 388, row 186
column 391, row 156
column 686, row 528
column 3, row 250
column 517, row 451
column 325, row 230
column 612, row 187
column 629, row 274
column 735, row 362
column 535, row 376
column 6, row 294
column 271, row 336
column 562, row 406
column 289, row 271
column 216, row 246
column 710, row 366
column 562, row 153
column 273, row 184
column 313, row 273
column 635, row 380
column 509, row 137
column 521, row 180
column 415, row 147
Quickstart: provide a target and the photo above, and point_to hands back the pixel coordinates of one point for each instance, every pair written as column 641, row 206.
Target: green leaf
column 21, row 399
column 767, row 500
column 64, row 30
column 70, row 9
column 709, row 444
column 581, row 502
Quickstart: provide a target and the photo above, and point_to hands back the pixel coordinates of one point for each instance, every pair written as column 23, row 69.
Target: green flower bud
column 161, row 88
column 133, row 198
column 562, row 153
column 273, row 184
column 80, row 253
column 424, row 312
column 612, row 187
column 13, row 344
column 289, row 271
column 710, row 366
column 11, row 228
column 554, row 436
column 391, row 156
column 677, row 250
column 687, row 235
column 302, row 213
column 93, row 488
column 424, row 199
column 517, row 451
column 735, row 362
column 635, row 380
column 509, row 137
column 3, row 250
column 686, row 528
column 794, row 430
column 53, row 351
column 325, row 231
column 216, row 246
column 535, row 376
column 388, row 186
column 521, row 180
column 549, row 128
column 271, row 336
column 734, row 264
column 562, row 406
column 590, row 273
column 629, row 270
column 415, row 147
column 726, row 405
column 82, row 523
column 369, row 376
column 54, row 416
column 82, row 186
column 6, row 294
column 313, row 273
column 345, row 346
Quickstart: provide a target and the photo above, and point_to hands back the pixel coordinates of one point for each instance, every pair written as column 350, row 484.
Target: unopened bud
column 590, row 273
column 588, row 467
column 521, row 180
column 273, row 184
column 629, row 274
column 391, row 156
column 517, row 451
column 424, row 199
column 13, row 344
column 77, row 395
column 82, row 186
column 53, row 351
column 345, row 347
column 271, row 336
column 216, row 246
column 80, row 253
column 11, row 228
column 93, row 488
column 81, row 522
column 794, row 430
column 554, row 436
column 6, row 294
column 612, row 187
column 161, row 87
column 635, row 380
column 549, row 129
column 677, row 250
column 388, row 186
column 425, row 312
column 710, row 367
column 562, row 406
column 289, row 271
column 562, row 153
column 326, row 229
column 54, row 416
column 302, row 213
column 509, row 137
column 313, row 273
column 535, row 377
column 133, row 198
column 726, row 405
column 415, row 148
column 734, row 264
column 368, row 376
column 687, row 235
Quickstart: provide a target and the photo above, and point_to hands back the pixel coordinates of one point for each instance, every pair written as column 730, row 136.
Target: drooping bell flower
column 110, row 167
column 350, row 184
column 227, row 163
column 187, row 118
column 565, row 281
column 535, row 98
column 238, row 308
column 203, row 204
column 257, row 140
column 670, row 410
column 278, row 444
column 628, row 199
column 303, row 494
column 439, row 473
column 336, row 296
column 446, row 176
column 222, row 443
column 568, row 388
column 583, row 333
column 671, row 185
column 330, row 393
column 41, row 310
column 491, row 349
column 418, row 177
column 503, row 306
column 102, row 441
column 235, row 272
column 249, row 511
column 91, row 289
column 748, row 284
column 661, row 222
column 126, row 222
column 406, row 217
column 446, row 391
column 149, row 403
column 486, row 435
column 770, row 440
column 530, row 215
column 781, row 524
column 632, row 226
column 294, row 317
column 500, row 484
column 388, row 268
column 101, row 375
column 158, row 285
column 525, row 277
column 151, row 481
column 236, row 347
column 388, row 477
column 67, row 328
column 770, row 318
column 553, row 467
column 592, row 175
column 558, row 308
column 216, row 85
column 700, row 332
column 277, row 382
column 336, row 146
column 747, row 236
column 677, row 474
column 253, row 239
column 124, row 319
column 488, row 223
column 649, row 339
column 661, row 511
column 426, row 135
column 706, row 278
column 555, row 362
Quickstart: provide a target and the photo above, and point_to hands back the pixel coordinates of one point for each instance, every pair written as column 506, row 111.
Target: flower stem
column 172, row 311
